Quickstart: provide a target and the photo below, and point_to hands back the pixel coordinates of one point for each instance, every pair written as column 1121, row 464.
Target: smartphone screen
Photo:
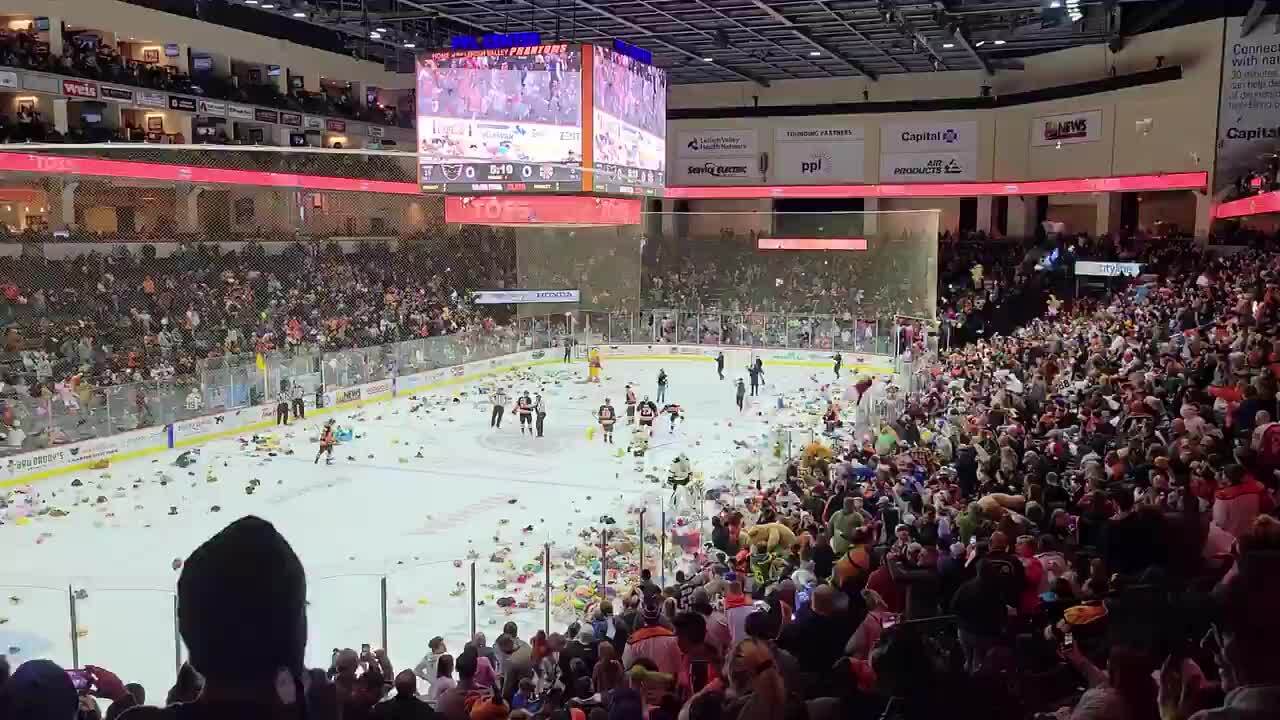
column 1068, row 641
column 79, row 679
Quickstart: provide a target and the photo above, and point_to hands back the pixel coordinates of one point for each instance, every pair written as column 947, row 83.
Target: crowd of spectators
column 79, row 327
column 1076, row 518
column 85, row 56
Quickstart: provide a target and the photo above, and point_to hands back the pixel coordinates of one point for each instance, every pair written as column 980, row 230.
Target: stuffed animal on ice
column 593, row 365
column 681, row 474
column 777, row 537
column 344, row 434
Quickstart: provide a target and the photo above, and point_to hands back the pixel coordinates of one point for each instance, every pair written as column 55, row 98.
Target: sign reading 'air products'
column 520, row 297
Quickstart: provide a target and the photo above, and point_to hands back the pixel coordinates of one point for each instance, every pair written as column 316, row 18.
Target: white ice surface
column 360, row 520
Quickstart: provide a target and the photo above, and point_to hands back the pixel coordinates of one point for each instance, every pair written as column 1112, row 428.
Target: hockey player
column 741, row 393
column 327, row 441
column 662, row 385
column 720, row 364
column 674, row 413
column 524, row 408
column 631, row 405
column 680, row 474
column 607, row 417
column 647, row 411
column 839, row 363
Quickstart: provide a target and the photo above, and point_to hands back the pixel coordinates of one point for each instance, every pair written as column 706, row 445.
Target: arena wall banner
column 1248, row 109
column 62, row 459
column 716, row 143
column 928, row 137
column 928, row 167
column 818, row 155
column 1108, row 269
column 1069, row 129
column 518, row 297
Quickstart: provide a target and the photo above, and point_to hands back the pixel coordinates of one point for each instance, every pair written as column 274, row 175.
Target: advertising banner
column 1108, row 269
column 721, row 171
column 115, row 94
column 185, row 104
column 1249, row 105
column 818, row 155
column 80, row 89
column 8, row 79
column 239, row 112
column 928, row 167
column 1054, row 130
column 311, row 122
column 291, row 118
column 928, row 137
column 337, row 126
column 717, row 144
column 517, row 297
column 213, row 108
column 41, row 83
column 266, row 116
column 151, row 99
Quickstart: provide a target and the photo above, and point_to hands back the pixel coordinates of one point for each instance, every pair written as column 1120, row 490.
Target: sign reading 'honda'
column 520, row 297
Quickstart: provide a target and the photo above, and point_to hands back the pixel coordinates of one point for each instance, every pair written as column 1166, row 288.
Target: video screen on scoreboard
column 506, row 120
column 629, row 124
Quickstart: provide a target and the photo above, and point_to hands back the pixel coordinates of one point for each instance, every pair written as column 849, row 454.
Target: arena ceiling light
column 815, row 53
column 299, row 14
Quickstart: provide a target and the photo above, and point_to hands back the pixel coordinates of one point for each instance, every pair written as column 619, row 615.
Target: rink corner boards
column 100, row 453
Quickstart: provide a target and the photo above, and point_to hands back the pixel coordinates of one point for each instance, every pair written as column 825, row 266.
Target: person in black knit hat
column 242, row 613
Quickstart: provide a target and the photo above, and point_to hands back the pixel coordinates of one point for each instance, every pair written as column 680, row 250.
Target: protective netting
column 148, row 284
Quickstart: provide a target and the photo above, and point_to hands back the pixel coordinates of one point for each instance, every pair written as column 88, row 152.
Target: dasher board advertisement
column 506, row 120
column 517, row 297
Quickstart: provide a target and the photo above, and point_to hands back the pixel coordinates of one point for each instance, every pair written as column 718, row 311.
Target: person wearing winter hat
column 39, row 690
column 242, row 613
column 654, row 641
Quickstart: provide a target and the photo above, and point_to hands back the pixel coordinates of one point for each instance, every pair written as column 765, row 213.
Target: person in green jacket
column 843, row 522
column 970, row 522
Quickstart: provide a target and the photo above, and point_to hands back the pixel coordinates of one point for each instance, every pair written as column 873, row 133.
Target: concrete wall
column 1180, row 136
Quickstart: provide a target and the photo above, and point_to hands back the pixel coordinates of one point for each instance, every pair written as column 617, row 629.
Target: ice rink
column 382, row 511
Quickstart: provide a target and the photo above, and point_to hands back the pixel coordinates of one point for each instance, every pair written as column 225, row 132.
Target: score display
column 530, row 119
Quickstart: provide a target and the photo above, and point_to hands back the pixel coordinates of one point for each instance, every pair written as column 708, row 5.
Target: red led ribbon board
column 811, row 244
column 536, row 210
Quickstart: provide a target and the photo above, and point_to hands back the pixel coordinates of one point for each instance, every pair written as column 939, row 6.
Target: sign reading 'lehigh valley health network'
column 519, row 297
column 716, row 143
